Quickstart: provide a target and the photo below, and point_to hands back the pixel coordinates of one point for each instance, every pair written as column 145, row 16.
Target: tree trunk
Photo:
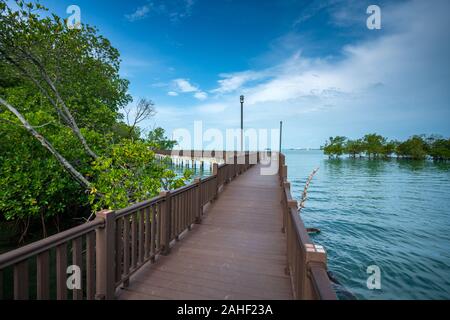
column 65, row 112
column 46, row 144
column 72, row 123
column 56, row 219
column 44, row 228
column 24, row 230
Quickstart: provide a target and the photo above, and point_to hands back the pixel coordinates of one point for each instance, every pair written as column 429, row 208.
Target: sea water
column 394, row 214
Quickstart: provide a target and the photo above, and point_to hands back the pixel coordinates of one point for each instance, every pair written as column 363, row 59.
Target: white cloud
column 201, row 95
column 175, row 10
column 383, row 63
column 211, row 108
column 394, row 82
column 184, row 85
column 234, row 81
column 172, row 93
column 140, row 13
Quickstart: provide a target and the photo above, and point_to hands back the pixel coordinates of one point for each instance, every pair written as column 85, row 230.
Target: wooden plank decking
column 238, row 252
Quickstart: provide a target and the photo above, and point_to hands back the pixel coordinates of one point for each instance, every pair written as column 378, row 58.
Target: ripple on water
column 393, row 214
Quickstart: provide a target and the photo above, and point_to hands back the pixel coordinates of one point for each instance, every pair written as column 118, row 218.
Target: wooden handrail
column 321, row 283
column 306, row 262
column 183, row 189
column 137, row 206
column 15, row 256
column 20, row 258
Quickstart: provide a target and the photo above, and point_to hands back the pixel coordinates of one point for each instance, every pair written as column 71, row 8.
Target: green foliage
column 159, row 141
column 440, row 149
column 389, row 148
column 354, row 147
column 82, row 64
column 84, row 68
column 374, row 146
column 334, row 146
column 31, row 181
column 414, row 148
column 129, row 174
column 121, row 130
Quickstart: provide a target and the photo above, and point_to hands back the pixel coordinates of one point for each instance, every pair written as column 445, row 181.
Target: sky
column 315, row 65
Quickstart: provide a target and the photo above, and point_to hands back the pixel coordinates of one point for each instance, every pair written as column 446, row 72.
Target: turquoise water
column 197, row 170
column 389, row 213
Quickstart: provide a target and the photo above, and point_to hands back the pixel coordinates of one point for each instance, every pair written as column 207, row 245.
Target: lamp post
column 242, row 123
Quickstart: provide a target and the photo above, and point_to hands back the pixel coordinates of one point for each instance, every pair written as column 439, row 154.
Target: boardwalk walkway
column 238, row 252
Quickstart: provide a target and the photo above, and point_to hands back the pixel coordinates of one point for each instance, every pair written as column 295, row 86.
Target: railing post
column 216, row 173
column 105, row 255
column 315, row 257
column 283, row 174
column 166, row 222
column 286, row 205
column 280, row 165
column 198, row 207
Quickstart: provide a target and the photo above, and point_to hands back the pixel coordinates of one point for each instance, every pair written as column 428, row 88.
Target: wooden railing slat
column 126, row 248
column 189, row 217
column 42, row 276
column 152, row 231
column 119, row 248
column 183, row 212
column 133, row 241
column 158, row 227
column 180, row 212
column 90, row 266
column 21, row 280
column 147, row 246
column 177, row 224
column 166, row 222
column 141, row 235
column 61, row 267
column 77, row 260
column 177, row 216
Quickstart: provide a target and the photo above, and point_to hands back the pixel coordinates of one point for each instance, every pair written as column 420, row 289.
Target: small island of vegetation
column 373, row 146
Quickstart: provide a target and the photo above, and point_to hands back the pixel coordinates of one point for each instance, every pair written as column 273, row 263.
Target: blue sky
column 313, row 64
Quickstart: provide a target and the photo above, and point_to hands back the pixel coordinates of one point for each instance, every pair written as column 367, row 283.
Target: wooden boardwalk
column 238, row 252
column 144, row 251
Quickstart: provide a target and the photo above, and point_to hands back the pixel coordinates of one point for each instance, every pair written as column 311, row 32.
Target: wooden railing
column 76, row 246
column 116, row 244
column 306, row 262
